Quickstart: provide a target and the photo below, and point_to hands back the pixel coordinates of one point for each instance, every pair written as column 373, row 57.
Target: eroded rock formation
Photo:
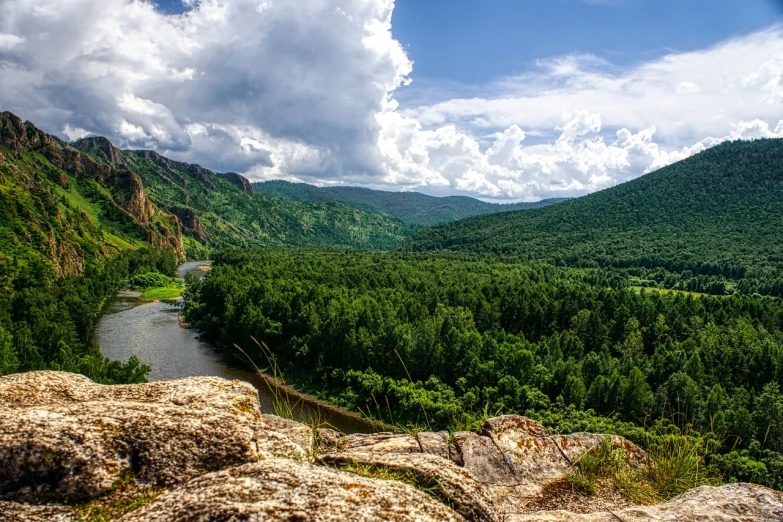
column 190, row 222
column 240, row 181
column 211, row 455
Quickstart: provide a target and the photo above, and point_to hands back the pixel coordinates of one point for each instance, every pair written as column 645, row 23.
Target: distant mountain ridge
column 718, row 212
column 410, row 207
column 65, row 204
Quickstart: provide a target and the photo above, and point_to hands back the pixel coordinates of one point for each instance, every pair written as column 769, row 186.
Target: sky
column 504, row 100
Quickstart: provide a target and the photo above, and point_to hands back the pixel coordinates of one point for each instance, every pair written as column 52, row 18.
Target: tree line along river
column 151, row 331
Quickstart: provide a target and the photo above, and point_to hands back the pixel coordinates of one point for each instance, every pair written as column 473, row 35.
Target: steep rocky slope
column 224, row 210
column 65, row 204
column 199, row 449
column 63, row 207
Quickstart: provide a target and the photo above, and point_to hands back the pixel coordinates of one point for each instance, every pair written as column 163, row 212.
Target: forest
column 410, row 207
column 650, row 307
column 441, row 340
column 716, row 214
column 47, row 323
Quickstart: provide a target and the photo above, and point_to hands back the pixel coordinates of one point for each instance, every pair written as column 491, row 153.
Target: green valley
column 651, row 309
column 410, row 207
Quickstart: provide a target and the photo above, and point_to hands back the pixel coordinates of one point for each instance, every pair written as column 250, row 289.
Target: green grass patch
column 638, row 290
column 675, row 464
column 119, row 242
column 76, row 200
column 171, row 291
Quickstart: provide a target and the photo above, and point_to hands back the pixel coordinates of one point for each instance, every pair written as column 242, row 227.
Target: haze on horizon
column 505, row 101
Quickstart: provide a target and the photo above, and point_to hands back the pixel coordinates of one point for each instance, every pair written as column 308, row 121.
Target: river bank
column 153, row 332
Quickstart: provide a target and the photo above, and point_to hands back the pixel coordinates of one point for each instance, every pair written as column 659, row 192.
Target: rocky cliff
column 115, row 195
column 200, row 449
column 240, row 181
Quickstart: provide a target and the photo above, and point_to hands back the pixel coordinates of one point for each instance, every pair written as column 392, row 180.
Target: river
column 151, row 331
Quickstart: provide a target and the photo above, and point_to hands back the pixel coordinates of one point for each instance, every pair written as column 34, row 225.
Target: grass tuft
column 126, row 495
column 675, row 464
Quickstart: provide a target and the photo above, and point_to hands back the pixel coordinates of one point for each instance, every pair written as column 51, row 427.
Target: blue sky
column 477, row 41
column 504, row 100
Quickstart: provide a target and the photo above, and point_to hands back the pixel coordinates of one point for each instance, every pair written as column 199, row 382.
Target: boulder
column 282, row 489
column 89, row 436
column 455, row 486
column 16, row 512
column 730, row 503
column 65, row 439
column 378, row 443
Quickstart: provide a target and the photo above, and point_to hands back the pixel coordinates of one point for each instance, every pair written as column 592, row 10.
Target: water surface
column 152, row 332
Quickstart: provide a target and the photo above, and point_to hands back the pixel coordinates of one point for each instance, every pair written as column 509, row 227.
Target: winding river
column 151, row 331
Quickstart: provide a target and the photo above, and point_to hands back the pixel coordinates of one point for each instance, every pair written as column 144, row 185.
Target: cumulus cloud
column 305, row 90
column 222, row 83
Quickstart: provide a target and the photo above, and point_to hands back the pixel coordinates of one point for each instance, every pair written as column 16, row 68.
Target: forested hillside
column 441, row 342
column 410, row 207
column 78, row 221
column 223, row 210
column 718, row 213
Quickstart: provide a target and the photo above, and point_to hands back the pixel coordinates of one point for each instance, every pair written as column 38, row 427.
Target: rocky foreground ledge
column 200, row 449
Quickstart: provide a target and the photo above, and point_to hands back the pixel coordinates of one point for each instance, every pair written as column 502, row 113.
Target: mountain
column 410, row 207
column 65, row 204
column 224, row 209
column 718, row 212
column 64, row 208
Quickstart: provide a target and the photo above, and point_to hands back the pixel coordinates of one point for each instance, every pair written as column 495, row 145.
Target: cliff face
column 120, row 196
column 240, row 181
column 190, row 222
column 101, row 148
column 199, row 449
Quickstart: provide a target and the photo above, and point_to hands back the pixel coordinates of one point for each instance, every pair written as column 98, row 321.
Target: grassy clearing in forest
column 172, row 291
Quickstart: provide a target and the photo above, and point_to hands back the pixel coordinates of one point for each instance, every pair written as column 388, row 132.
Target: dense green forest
column 47, row 323
column 410, row 207
column 437, row 341
column 718, row 213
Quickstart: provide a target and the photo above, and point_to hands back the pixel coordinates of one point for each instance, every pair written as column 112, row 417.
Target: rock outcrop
column 210, row 454
column 102, row 147
column 124, row 197
column 240, row 181
column 190, row 222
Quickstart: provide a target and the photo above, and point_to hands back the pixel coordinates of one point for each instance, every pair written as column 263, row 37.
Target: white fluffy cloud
column 305, row 90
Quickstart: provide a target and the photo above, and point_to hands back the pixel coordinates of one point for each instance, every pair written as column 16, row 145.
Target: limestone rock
column 47, row 388
column 290, row 490
column 88, row 436
column 730, row 503
column 327, row 439
column 102, row 147
column 483, row 459
column 240, row 181
column 434, row 443
column 454, row 485
column 378, row 443
column 64, row 438
column 190, row 222
column 16, row 512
